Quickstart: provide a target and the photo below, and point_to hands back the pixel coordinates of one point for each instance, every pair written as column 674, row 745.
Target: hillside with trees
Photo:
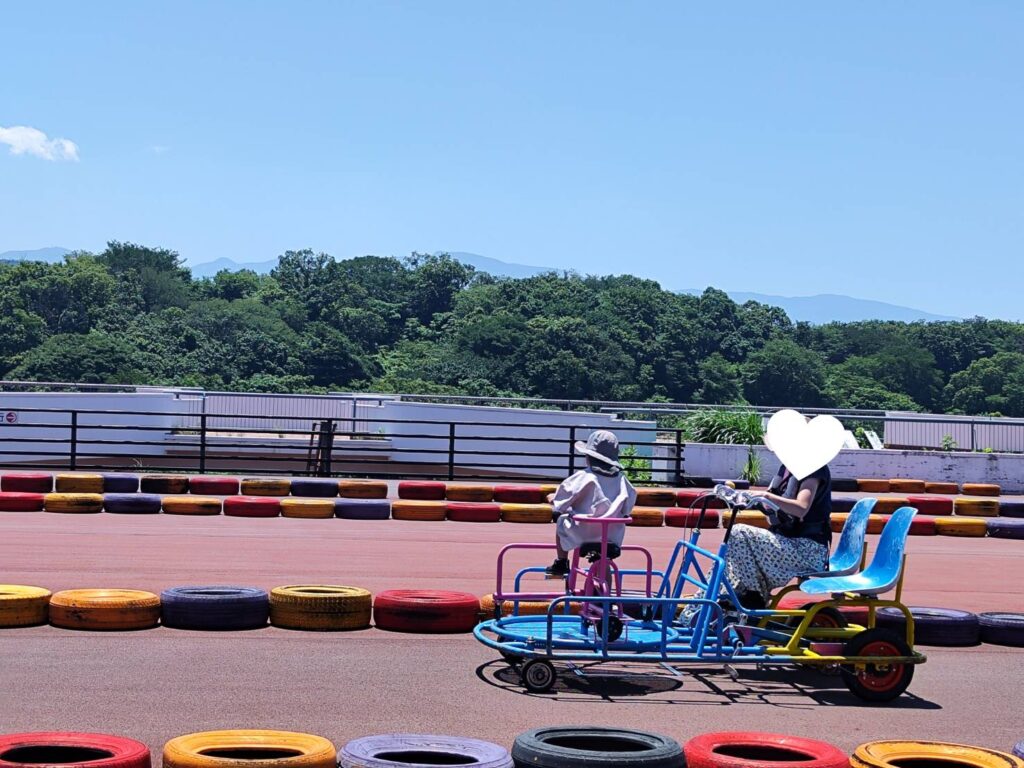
column 428, row 324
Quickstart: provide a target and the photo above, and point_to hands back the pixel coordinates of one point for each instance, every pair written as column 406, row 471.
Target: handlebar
column 605, row 521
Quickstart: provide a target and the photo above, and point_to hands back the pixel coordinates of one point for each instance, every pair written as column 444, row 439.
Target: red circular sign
column 10, row 417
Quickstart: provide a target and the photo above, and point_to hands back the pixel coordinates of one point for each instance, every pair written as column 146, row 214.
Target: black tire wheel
column 538, row 676
column 595, row 747
column 512, row 659
column 826, row 618
column 877, row 682
column 614, row 627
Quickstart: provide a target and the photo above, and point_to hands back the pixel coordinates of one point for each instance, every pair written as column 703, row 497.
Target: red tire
column 421, row 490
column 27, row 482
column 252, row 506
column 931, row 505
column 520, row 494
column 425, row 611
column 739, row 749
column 923, row 526
column 687, row 518
column 213, row 486
column 469, row 512
column 18, row 501
column 685, row 497
column 72, row 750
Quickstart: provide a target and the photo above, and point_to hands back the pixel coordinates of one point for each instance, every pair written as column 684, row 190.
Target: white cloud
column 24, row 140
column 159, row 149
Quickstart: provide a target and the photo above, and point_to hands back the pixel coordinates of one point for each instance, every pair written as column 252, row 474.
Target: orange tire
column 980, row 489
column 362, row 489
column 886, row 505
column 191, row 505
column 648, row 517
column 265, row 486
column 78, row 483
column 526, row 607
column 872, row 485
column 976, row 507
column 468, row 492
column 751, row 517
column 949, row 489
column 903, row 485
column 104, row 609
column 526, row 513
column 414, row 509
column 838, row 521
column 897, row 754
column 655, row 497
column 73, row 503
column 249, row 749
column 876, row 523
column 961, row 526
column 319, row 509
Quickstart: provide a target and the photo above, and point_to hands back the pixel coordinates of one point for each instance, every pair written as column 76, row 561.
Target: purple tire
column 934, row 626
column 131, row 503
column 314, row 487
column 843, row 503
column 1002, row 628
column 120, row 482
column 1011, row 508
column 1009, row 528
column 407, row 750
column 1018, row 749
column 362, row 509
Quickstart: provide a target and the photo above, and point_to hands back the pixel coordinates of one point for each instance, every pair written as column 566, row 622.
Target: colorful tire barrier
column 923, row 525
column 886, row 505
column 163, row 484
column 27, row 482
column 363, row 489
column 693, row 497
column 1018, row 749
column 843, row 503
column 736, row 749
column 249, row 749
column 21, row 501
column 416, row 509
column 73, row 503
column 425, row 611
column 252, row 506
column 1005, row 528
column 191, row 505
column 997, row 628
column 949, row 489
column 78, row 483
column 976, row 507
column 748, row 517
column 310, row 509
column 72, row 750
column 22, row 606
column 473, row 512
column 697, row 481
column 522, row 607
column 904, row 485
column 526, row 513
column 933, row 754
column 931, row 505
column 320, row 607
column 1011, row 508
column 104, row 609
column 872, row 485
column 961, row 526
column 264, row 486
column 519, row 494
column 467, row 492
column 655, row 497
column 844, row 485
column 980, row 489
column 215, row 608
column 315, row 487
column 131, row 503
column 120, row 482
column 567, row 746
column 688, row 518
column 934, row 626
column 876, row 523
column 838, row 521
column 403, row 750
column 421, row 490
column 648, row 517
column 362, row 509
column 213, row 485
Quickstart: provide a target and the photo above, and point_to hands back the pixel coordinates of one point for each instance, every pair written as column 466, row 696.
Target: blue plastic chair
column 884, row 571
column 847, row 557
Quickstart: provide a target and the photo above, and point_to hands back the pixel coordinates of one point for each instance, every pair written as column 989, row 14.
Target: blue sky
column 873, row 149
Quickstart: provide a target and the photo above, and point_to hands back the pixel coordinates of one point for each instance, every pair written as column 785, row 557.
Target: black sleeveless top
column 817, row 523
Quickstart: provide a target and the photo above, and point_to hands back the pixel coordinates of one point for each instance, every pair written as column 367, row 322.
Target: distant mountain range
column 822, row 308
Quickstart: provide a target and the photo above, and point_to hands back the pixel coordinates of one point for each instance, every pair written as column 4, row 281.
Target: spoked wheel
column 877, row 682
column 538, row 676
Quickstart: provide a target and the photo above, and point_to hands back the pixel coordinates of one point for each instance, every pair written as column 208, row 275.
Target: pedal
column 730, row 670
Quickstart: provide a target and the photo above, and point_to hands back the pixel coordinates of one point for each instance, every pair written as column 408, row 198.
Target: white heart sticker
column 804, row 446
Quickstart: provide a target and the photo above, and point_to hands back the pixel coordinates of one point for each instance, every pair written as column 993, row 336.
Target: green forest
column 429, row 324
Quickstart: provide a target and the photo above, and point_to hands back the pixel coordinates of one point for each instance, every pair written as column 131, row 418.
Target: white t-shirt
column 594, row 495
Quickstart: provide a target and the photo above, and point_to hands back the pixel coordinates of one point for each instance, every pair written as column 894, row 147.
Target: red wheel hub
column 880, row 678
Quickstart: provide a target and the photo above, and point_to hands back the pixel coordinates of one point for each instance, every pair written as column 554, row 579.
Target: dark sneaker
column 558, row 569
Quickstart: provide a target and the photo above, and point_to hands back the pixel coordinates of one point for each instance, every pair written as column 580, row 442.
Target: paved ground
column 160, row 683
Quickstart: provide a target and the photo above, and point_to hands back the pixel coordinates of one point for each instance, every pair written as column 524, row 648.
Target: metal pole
column 328, row 449
column 679, row 457
column 74, row 440
column 451, row 450
column 202, row 441
column 572, row 450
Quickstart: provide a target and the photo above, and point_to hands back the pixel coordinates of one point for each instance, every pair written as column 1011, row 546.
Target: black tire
column 215, row 608
column 877, row 684
column 828, row 617
column 934, row 626
column 511, row 659
column 1011, row 508
column 538, row 676
column 1002, row 628
column 844, row 485
column 615, row 627
column 314, row 487
column 696, row 481
column 593, row 747
column 843, row 503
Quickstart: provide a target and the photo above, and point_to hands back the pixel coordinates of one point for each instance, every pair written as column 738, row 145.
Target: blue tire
column 118, row 482
column 319, row 488
column 843, row 503
column 215, row 608
column 1005, row 528
column 131, row 503
column 362, row 509
column 1011, row 508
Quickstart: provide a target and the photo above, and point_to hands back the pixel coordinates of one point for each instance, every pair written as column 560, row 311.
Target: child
column 600, row 490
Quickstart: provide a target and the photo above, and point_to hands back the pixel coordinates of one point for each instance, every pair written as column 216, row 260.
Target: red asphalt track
column 157, row 684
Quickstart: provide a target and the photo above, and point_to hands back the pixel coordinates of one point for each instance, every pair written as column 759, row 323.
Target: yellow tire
column 886, row 505
column 78, row 483
column 894, row 754
column 265, row 486
column 191, row 505
column 104, row 609
column 249, row 749
column 750, row 517
column 648, row 517
column 73, row 503
column 961, row 526
column 876, row 523
column 23, row 606
column 319, row 509
column 872, row 485
column 980, row 489
column 363, row 489
column 655, row 497
column 547, row 490
column 976, row 507
column 526, row 513
column 949, row 489
column 320, row 607
column 905, row 485
column 466, row 492
column 526, row 607
column 414, row 509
